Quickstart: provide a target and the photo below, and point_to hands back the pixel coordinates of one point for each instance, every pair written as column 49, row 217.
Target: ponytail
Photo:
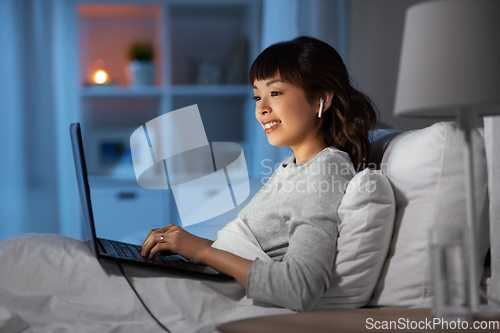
column 348, row 125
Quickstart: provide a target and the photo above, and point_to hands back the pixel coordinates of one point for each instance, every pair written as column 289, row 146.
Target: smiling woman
column 304, row 100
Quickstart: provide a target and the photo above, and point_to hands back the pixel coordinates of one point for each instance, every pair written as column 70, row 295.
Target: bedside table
column 345, row 321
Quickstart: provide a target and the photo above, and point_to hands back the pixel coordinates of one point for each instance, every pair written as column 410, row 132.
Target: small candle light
column 100, row 77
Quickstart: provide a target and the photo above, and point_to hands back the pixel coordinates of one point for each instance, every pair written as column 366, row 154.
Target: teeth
column 271, row 124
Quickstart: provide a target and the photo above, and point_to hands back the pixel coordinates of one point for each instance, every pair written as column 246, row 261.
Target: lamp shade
column 450, row 59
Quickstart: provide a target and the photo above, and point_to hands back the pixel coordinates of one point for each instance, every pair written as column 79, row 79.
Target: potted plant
column 142, row 67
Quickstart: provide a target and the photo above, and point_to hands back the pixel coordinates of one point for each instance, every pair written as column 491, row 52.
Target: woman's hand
column 174, row 239
column 170, row 226
column 197, row 250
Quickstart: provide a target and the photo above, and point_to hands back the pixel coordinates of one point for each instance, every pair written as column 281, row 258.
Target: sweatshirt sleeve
column 302, row 277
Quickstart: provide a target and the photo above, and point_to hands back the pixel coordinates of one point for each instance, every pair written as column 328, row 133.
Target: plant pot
column 142, row 73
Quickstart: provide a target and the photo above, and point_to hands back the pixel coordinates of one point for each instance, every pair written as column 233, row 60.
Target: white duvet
column 52, row 283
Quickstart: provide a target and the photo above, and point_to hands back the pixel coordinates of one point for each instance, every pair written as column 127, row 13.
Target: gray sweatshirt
column 294, row 218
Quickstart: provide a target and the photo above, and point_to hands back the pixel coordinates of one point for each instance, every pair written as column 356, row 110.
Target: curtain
column 36, row 91
column 12, row 174
column 492, row 140
column 326, row 20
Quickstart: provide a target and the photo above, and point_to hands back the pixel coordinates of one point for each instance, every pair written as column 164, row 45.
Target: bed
column 50, row 283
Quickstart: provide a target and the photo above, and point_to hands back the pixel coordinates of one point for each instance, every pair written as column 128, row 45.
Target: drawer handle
column 127, row 195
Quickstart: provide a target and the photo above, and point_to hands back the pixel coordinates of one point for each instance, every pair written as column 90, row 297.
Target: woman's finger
column 158, row 231
column 157, row 248
column 171, row 231
column 149, row 243
column 161, row 244
column 150, row 232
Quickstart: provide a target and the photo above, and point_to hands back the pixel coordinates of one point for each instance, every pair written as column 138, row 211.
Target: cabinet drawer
column 127, row 213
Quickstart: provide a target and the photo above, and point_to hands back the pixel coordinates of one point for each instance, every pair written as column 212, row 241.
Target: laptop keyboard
column 128, row 251
column 133, row 252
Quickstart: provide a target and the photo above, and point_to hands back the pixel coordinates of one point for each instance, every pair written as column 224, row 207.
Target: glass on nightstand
column 448, row 276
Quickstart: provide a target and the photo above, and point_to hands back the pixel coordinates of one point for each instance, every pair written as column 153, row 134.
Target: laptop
column 111, row 250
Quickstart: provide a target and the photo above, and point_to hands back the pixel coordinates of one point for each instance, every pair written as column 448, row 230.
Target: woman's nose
column 263, row 109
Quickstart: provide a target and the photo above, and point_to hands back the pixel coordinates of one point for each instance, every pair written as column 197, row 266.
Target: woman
column 304, row 100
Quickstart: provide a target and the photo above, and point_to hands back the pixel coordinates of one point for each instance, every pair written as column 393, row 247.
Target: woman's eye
column 275, row 93
column 256, row 98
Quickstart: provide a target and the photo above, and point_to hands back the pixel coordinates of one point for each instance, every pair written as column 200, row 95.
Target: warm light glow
column 99, row 64
column 100, row 77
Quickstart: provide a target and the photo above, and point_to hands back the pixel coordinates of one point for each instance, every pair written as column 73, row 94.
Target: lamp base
column 462, row 313
column 486, row 312
column 455, row 313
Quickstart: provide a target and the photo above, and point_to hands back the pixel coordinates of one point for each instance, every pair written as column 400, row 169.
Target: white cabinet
column 126, row 211
column 202, row 53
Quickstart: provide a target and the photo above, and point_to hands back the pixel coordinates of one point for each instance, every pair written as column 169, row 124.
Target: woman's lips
column 271, row 126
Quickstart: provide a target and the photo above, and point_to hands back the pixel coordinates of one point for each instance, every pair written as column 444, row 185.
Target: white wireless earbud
column 321, row 104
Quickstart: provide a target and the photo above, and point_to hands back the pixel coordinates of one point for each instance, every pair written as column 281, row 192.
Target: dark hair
column 317, row 68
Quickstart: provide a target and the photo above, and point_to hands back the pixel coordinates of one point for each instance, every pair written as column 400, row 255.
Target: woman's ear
column 328, row 100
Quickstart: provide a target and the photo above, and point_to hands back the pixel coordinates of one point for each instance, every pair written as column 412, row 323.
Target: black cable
column 140, row 299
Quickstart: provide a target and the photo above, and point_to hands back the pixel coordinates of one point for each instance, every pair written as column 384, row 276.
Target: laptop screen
column 83, row 187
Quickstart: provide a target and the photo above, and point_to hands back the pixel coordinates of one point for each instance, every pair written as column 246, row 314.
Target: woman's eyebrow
column 270, row 82
column 273, row 81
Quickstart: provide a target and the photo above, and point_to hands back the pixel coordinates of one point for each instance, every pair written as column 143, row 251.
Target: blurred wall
column 374, row 34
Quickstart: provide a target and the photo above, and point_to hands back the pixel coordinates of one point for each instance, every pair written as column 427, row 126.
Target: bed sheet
column 51, row 283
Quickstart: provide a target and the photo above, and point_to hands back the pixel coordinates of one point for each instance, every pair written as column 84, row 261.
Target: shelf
column 202, row 50
column 212, row 90
column 112, row 181
column 178, row 90
column 98, row 91
column 107, row 32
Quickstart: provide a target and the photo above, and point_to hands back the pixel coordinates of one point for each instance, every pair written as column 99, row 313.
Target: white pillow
column 425, row 168
column 367, row 217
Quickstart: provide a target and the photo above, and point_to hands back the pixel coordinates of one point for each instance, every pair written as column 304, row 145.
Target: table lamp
column 450, row 68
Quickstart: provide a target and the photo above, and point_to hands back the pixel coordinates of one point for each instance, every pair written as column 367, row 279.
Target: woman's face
column 285, row 114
